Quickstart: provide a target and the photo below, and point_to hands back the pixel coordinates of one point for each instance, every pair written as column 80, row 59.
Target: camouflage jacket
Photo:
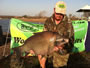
column 64, row 28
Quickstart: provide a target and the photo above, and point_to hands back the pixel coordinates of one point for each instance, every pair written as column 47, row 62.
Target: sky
column 34, row 7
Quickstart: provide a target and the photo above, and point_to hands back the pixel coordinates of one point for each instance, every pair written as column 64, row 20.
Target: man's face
column 58, row 16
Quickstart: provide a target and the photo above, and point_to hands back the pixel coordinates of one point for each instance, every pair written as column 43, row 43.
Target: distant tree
column 42, row 14
column 25, row 16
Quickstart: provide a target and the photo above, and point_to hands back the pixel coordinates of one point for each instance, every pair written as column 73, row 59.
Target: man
column 59, row 23
column 89, row 19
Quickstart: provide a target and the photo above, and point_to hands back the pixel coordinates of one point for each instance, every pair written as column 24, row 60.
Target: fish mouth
column 60, row 44
column 65, row 40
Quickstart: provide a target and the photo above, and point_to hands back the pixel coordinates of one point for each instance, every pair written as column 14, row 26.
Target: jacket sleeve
column 46, row 25
column 71, row 34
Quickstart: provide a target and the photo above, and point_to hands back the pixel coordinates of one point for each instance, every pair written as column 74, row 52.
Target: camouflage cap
column 60, row 7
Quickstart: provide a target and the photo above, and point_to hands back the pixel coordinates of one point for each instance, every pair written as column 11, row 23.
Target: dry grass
column 38, row 20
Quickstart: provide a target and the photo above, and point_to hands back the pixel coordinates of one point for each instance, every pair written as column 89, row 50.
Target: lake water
column 5, row 24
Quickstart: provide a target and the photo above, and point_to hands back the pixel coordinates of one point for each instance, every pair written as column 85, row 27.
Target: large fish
column 42, row 43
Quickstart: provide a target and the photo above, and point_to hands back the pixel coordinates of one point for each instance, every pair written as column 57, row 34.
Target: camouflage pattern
column 60, row 60
column 65, row 29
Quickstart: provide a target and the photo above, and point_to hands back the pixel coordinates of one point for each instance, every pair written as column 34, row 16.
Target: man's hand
column 56, row 48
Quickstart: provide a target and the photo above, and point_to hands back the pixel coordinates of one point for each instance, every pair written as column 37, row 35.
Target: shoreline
column 33, row 20
column 38, row 20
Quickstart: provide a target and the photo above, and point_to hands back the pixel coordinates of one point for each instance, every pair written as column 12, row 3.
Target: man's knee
column 60, row 60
